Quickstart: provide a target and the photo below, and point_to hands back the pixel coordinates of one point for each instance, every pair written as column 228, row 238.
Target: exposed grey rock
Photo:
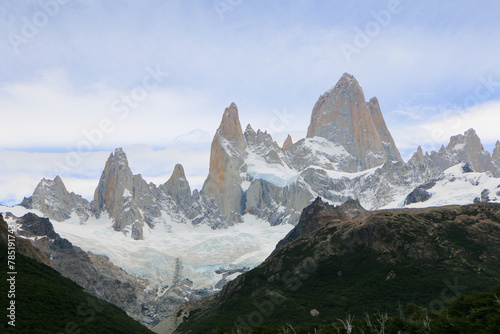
column 420, row 194
column 320, row 214
column 137, row 232
column 53, row 199
column 485, row 196
column 464, row 148
column 342, row 116
column 287, row 143
column 417, row 195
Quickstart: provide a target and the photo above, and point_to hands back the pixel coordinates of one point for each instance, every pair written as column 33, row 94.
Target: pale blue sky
column 434, row 66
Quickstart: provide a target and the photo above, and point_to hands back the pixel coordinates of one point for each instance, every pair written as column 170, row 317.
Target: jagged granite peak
column 178, row 188
column 177, row 175
column 114, row 184
column 461, row 148
column 227, row 154
column 230, row 127
column 342, row 116
column 418, row 157
column 386, row 137
column 495, row 158
column 249, row 133
column 320, row 214
column 287, row 143
column 53, row 199
column 127, row 198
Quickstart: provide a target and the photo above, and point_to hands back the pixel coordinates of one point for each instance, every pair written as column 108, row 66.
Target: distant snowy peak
column 456, row 185
column 465, row 147
column 53, row 199
column 343, row 116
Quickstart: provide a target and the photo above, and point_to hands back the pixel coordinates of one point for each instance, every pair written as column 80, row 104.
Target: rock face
column 495, row 158
column 287, row 143
column 466, row 147
column 53, row 199
column 23, row 246
column 320, row 214
column 227, row 155
column 342, row 116
column 178, row 188
column 114, row 193
column 420, row 193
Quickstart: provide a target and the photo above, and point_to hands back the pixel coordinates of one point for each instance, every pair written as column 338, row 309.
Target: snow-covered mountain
column 255, row 192
column 348, row 153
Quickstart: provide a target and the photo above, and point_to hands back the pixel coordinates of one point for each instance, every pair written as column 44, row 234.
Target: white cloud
column 431, row 133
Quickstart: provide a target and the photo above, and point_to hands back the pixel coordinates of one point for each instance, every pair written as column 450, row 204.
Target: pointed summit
column 230, row 127
column 227, row 152
column 342, row 116
column 116, row 181
column 177, row 174
column 287, row 143
column 53, row 199
column 418, row 157
column 496, row 152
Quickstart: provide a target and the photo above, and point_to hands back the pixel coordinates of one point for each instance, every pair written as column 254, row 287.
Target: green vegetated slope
column 47, row 302
column 373, row 263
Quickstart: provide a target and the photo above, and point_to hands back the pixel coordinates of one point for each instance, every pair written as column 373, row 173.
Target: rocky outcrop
column 342, row 116
column 53, row 199
column 320, row 214
column 420, row 193
column 23, row 246
column 227, row 155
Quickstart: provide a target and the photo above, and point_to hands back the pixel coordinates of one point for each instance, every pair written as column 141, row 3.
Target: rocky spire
column 496, row 153
column 230, row 127
column 115, row 194
column 342, row 116
column 495, row 159
column 226, row 157
column 115, row 183
column 385, row 136
column 418, row 157
column 178, row 188
column 287, row 143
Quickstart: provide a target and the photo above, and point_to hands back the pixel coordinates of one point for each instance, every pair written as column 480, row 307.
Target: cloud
column 432, row 132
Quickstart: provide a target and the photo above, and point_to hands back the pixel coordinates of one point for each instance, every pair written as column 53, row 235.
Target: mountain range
column 348, row 153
